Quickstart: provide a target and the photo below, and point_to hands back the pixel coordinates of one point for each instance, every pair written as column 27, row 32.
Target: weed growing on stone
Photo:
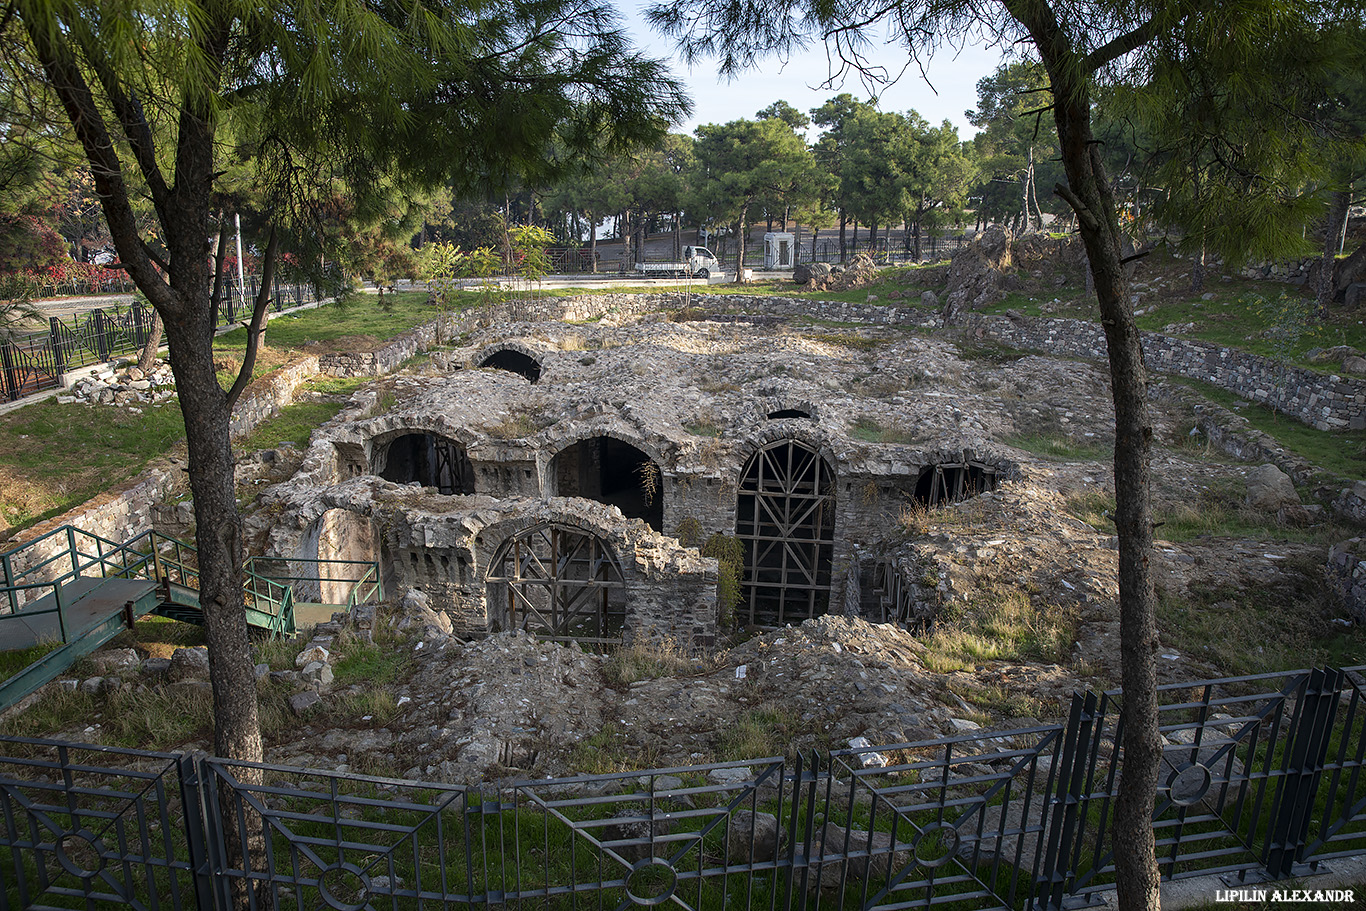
column 1061, row 446
column 645, row 659
column 611, row 750
column 729, row 553
column 870, row 431
column 767, row 730
column 1001, row 702
column 1006, row 626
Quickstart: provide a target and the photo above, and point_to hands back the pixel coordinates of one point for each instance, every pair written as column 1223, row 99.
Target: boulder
column 302, row 702
column 880, row 856
column 116, row 659
column 418, row 615
column 1354, row 366
column 801, row 273
column 636, row 826
column 312, row 654
column 977, row 273
column 1346, row 572
column 929, row 299
column 1270, row 489
column 189, row 664
column 752, row 837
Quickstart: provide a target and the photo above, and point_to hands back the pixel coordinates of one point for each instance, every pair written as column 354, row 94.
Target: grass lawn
column 53, row 456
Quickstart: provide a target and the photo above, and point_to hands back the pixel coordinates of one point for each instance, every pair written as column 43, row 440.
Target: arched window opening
column 431, row 461
column 950, row 482
column 785, row 519
column 559, row 583
column 514, row 361
column 789, row 413
column 614, row 472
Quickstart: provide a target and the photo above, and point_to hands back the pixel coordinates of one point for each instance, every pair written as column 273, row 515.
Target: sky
column 953, row 78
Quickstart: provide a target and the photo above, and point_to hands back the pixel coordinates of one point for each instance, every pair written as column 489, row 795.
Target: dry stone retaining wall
column 1327, row 402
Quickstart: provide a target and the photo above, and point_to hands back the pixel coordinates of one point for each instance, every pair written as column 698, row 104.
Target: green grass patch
column 294, row 424
column 1003, row 626
column 1060, row 446
column 345, row 386
column 870, row 431
column 55, row 456
column 383, row 662
column 850, row 340
column 767, row 730
column 154, row 718
column 13, row 662
column 1239, row 635
column 361, row 316
column 1340, row 452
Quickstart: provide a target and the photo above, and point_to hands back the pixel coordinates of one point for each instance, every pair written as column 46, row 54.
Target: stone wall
column 264, row 398
column 1327, row 402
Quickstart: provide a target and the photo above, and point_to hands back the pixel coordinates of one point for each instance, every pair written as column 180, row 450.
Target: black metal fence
column 35, row 361
column 1261, row 779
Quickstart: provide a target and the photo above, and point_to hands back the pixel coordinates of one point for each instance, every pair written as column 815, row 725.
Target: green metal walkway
column 74, row 591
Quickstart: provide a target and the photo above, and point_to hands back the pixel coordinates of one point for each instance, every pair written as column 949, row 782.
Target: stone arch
column 559, row 580
column 606, row 464
column 781, row 407
column 513, row 357
column 767, row 432
column 955, row 477
column 785, row 520
column 428, row 457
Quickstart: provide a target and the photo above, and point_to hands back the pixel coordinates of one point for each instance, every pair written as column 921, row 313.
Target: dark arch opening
column 514, row 361
column 614, row 472
column 561, row 583
column 953, row 481
column 789, row 413
column 431, row 461
column 785, row 520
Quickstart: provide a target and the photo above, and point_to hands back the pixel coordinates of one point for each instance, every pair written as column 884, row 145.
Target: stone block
column 302, row 702
column 752, row 837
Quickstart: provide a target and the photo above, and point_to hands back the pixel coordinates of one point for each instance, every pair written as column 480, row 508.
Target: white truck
column 699, row 262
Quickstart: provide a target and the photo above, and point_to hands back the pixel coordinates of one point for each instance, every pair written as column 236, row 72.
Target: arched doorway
column 514, row 361
column 785, row 519
column 614, row 472
column 431, row 461
column 560, row 583
column 949, row 482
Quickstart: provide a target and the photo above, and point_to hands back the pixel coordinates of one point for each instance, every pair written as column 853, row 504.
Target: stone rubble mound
column 860, row 271
column 124, row 385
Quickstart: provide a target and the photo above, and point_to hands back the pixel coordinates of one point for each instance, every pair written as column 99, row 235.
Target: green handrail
column 157, row 557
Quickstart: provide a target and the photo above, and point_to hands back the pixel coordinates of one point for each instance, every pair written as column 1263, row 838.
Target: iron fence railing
column 1261, row 779
column 35, row 361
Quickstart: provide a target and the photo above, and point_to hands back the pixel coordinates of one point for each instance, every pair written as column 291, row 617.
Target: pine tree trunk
column 1333, row 229
column 844, row 221
column 148, row 358
column 593, row 241
column 1088, row 193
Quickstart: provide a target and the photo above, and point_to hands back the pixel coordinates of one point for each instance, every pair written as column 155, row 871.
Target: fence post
column 11, row 374
column 54, row 329
column 1310, row 733
column 1064, row 810
column 192, row 800
column 101, row 334
column 8, row 569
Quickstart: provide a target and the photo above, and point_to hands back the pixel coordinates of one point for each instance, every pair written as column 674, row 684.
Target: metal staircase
column 77, row 590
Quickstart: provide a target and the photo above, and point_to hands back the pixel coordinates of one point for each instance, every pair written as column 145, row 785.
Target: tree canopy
column 175, row 104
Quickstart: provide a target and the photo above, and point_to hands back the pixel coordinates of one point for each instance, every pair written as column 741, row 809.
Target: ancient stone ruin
column 558, row 479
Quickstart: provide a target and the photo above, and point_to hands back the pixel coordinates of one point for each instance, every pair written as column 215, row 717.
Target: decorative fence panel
column 1260, row 780
column 35, row 361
